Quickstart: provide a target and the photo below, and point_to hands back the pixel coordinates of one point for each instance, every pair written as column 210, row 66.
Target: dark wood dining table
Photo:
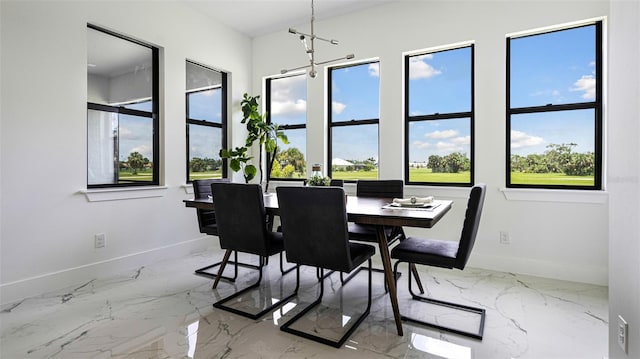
column 374, row 211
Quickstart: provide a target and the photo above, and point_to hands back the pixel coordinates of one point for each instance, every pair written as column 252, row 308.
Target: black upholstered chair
column 242, row 227
column 207, row 224
column 446, row 254
column 379, row 189
column 367, row 232
column 314, row 225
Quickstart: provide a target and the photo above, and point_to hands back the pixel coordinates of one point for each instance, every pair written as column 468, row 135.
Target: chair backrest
column 314, row 226
column 471, row 223
column 241, row 217
column 380, row 188
column 201, row 190
column 336, row 183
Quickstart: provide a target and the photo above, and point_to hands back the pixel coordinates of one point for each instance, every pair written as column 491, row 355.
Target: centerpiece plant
column 260, row 130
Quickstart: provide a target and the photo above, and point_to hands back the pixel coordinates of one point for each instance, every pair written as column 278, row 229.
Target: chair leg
column 220, row 304
column 282, row 270
column 286, row 327
column 378, row 270
column 480, row 311
column 204, row 270
column 414, row 270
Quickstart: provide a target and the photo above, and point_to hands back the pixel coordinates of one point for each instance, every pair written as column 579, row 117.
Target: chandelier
column 309, row 47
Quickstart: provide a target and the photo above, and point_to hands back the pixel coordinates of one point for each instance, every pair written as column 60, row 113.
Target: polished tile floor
column 163, row 310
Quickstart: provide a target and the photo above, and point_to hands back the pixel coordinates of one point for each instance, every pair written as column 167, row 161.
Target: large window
column 554, row 108
column 122, row 110
column 439, row 117
column 354, row 97
column 287, row 107
column 206, row 121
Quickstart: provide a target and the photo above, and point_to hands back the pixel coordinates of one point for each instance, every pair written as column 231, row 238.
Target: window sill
column 566, row 196
column 116, row 194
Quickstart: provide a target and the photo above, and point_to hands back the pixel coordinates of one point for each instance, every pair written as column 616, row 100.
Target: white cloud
column 419, row 69
column 289, row 107
column 441, row 134
column 374, row 69
column 520, row 139
column 144, row 150
column 449, row 147
column 587, row 84
column 421, row 145
column 338, row 107
column 464, row 140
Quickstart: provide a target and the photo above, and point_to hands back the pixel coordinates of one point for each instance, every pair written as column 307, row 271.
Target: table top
column 367, row 210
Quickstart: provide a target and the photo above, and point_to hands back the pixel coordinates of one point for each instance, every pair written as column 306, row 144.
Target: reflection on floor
column 165, row 311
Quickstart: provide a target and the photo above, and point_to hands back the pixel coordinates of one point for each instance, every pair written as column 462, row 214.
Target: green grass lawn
column 205, row 175
column 425, row 175
column 354, row 175
column 550, row 179
column 415, row 175
column 142, row 176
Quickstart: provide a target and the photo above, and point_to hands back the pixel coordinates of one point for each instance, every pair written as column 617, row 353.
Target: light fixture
column 310, row 48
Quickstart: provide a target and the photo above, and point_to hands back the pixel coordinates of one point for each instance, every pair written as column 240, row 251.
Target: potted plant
column 319, row 181
column 258, row 129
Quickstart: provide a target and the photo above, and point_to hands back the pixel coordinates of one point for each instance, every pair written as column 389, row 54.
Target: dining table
column 379, row 212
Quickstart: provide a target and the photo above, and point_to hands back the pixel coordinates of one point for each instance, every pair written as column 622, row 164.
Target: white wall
column 624, row 174
column 560, row 235
column 47, row 227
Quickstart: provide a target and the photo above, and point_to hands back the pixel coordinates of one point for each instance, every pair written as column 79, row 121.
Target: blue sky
column 204, row 141
column 553, row 68
column 440, row 82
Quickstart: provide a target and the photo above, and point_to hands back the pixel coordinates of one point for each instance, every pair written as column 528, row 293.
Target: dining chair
column 242, row 227
column 366, row 232
column 314, row 226
column 445, row 254
column 207, row 224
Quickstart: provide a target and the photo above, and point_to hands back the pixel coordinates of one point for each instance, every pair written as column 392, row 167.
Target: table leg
column 223, row 264
column 388, row 275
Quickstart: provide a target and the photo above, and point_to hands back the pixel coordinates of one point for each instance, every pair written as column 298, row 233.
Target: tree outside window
column 287, row 107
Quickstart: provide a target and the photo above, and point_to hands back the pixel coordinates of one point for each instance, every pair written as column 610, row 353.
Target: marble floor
column 163, row 310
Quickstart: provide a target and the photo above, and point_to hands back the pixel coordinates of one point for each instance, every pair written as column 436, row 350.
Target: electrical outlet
column 623, row 334
column 99, row 240
column 504, row 237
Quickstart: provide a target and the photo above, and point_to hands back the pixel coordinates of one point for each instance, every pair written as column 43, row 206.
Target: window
column 122, row 111
column 287, row 107
column 439, row 117
column 554, row 109
column 206, row 121
column 354, row 97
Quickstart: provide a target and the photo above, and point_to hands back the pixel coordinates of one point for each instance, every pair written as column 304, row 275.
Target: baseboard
column 538, row 268
column 45, row 283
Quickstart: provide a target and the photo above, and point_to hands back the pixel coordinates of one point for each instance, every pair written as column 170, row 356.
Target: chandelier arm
column 310, row 48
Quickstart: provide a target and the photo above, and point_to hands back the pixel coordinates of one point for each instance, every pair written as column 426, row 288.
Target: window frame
column 440, row 116
column 284, row 128
column 352, row 122
column 223, row 118
column 596, row 106
column 121, row 109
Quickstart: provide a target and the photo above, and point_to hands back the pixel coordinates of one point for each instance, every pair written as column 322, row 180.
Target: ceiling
column 260, row 17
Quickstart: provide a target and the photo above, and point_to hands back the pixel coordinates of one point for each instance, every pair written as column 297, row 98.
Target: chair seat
column 211, row 229
column 367, row 233
column 360, row 252
column 434, row 252
column 275, row 243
